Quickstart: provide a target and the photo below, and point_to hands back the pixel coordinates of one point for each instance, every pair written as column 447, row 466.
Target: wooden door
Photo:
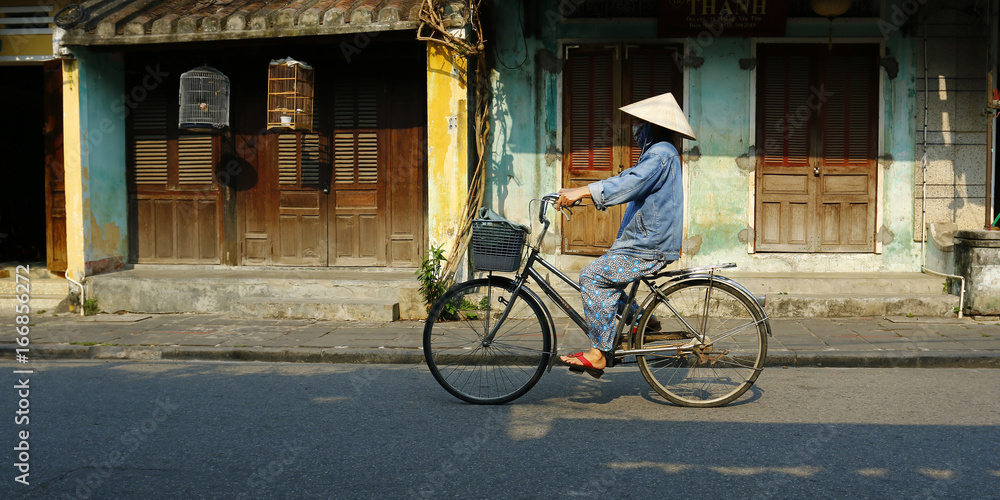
column 817, row 138
column 172, row 183
column 55, row 188
column 406, row 166
column 597, row 136
column 300, row 215
column 357, row 204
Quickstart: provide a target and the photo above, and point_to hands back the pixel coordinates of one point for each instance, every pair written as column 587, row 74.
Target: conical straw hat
column 662, row 110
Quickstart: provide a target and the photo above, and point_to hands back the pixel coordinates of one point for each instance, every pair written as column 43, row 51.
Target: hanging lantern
column 830, row 9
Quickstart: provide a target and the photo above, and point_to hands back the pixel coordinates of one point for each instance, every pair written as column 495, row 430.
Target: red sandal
column 585, row 366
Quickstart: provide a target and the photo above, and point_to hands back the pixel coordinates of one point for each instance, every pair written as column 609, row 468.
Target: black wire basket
column 496, row 245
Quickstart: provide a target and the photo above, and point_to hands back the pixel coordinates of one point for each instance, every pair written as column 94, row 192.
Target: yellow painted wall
column 27, row 48
column 73, row 172
column 447, row 141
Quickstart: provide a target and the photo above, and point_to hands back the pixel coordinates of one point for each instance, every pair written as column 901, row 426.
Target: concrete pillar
column 94, row 150
column 447, row 142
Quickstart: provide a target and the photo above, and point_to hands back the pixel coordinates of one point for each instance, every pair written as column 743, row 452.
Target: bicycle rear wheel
column 721, row 369
column 486, row 373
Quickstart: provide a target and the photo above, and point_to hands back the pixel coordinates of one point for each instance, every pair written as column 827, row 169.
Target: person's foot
column 594, row 356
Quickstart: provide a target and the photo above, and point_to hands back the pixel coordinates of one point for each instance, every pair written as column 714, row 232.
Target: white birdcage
column 203, row 99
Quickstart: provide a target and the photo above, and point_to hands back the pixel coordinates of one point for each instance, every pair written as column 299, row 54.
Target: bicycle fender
column 740, row 288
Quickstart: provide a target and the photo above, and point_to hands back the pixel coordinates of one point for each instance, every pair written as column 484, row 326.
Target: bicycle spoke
column 503, row 369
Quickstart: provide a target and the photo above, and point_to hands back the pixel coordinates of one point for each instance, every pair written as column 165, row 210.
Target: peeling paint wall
column 96, row 193
column 719, row 167
column 447, row 142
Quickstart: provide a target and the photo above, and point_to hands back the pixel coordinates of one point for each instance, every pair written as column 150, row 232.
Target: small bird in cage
column 204, row 107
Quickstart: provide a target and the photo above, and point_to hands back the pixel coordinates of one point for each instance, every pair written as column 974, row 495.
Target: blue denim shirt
column 654, row 188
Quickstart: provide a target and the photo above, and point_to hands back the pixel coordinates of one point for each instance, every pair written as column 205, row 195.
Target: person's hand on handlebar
column 571, row 196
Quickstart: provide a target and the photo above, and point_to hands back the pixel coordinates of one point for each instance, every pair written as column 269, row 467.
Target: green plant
column 90, row 307
column 910, row 315
column 432, row 283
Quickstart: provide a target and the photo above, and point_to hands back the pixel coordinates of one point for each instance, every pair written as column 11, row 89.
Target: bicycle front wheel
column 473, row 368
column 713, row 372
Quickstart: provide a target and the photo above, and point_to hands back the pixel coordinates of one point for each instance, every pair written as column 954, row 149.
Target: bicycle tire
column 486, row 374
column 717, row 372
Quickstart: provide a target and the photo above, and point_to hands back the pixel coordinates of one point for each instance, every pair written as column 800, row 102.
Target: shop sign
column 722, row 17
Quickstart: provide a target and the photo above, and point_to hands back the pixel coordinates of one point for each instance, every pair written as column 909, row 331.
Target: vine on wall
column 435, row 20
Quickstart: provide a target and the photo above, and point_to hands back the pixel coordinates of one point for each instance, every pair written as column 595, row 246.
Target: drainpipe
column 71, row 280
column 923, row 198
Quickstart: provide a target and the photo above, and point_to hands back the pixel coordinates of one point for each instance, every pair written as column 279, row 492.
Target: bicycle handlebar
column 543, row 206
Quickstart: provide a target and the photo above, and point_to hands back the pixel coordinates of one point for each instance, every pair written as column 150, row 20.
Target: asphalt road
column 268, row 430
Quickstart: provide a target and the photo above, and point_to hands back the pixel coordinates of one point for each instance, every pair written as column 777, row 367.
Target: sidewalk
column 842, row 342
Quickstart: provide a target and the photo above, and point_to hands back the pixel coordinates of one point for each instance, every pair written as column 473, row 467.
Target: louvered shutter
column 355, row 141
column 195, row 160
column 149, row 123
column 850, row 86
column 784, row 82
column 650, row 72
column 590, row 87
column 298, row 159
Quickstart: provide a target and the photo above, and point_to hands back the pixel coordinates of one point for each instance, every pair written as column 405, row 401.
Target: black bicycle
column 699, row 338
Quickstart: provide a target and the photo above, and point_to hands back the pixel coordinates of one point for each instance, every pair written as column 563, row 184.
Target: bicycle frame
column 528, row 271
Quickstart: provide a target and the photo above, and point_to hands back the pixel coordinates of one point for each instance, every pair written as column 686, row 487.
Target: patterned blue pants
column 602, row 283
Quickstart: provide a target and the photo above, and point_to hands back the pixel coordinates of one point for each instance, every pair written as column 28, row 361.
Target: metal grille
column 204, row 99
column 496, row 245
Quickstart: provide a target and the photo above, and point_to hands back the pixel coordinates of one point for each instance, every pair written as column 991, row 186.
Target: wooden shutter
column 195, row 160
column 816, row 137
column 590, row 90
column 650, row 72
column 299, row 159
column 175, row 200
column 847, row 180
column 357, row 222
column 149, row 126
column 356, row 140
column 849, row 137
column 785, row 79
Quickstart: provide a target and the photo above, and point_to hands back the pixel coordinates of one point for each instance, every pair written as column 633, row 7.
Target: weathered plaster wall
column 96, row 194
column 447, row 142
column 719, row 167
column 956, row 64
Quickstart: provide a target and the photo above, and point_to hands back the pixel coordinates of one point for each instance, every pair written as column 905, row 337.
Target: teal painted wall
column 526, row 149
column 102, row 131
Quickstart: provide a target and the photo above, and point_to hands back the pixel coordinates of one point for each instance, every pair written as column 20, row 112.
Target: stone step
column 36, row 287
column 47, row 294
column 207, row 289
column 827, row 295
column 841, row 283
column 838, row 306
column 35, row 270
column 320, row 309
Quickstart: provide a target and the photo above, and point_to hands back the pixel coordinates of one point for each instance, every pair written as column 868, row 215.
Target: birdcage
column 290, row 95
column 203, row 99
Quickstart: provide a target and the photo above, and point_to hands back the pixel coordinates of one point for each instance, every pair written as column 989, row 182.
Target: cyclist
column 650, row 234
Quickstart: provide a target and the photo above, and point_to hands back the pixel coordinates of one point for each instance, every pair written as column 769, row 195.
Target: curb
column 185, row 353
column 791, row 359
